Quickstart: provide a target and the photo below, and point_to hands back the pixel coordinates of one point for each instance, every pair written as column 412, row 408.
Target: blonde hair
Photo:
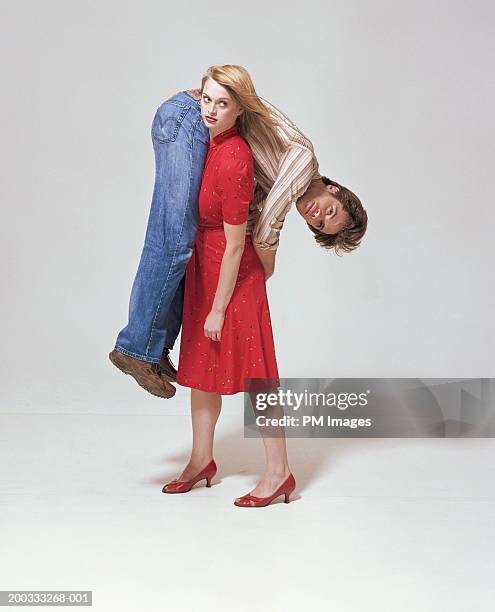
column 255, row 123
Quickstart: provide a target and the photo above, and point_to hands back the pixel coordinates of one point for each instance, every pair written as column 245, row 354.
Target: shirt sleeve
column 236, row 187
column 295, row 173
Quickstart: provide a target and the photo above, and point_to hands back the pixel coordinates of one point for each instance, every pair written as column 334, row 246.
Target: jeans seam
column 198, row 123
column 178, row 103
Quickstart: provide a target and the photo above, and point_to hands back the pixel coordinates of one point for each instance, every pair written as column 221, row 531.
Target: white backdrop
column 398, row 101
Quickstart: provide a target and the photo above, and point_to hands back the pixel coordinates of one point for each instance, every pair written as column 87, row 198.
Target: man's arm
column 267, row 258
column 297, row 167
column 296, row 170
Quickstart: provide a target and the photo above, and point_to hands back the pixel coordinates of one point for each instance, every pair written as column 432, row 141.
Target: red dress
column 246, row 348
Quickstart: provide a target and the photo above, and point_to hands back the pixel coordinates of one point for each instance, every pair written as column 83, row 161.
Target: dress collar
column 219, row 138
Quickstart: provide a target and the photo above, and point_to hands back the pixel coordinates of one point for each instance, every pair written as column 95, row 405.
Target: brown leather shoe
column 169, row 373
column 147, row 375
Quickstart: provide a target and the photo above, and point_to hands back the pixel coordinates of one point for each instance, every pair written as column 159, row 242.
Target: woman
column 226, row 328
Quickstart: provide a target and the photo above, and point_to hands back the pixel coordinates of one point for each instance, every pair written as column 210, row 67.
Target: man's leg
column 174, row 320
column 180, row 142
column 173, row 325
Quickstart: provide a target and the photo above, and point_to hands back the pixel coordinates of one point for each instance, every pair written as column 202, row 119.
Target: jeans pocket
column 168, row 120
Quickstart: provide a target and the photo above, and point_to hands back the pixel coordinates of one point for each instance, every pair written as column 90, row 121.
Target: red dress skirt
column 246, row 349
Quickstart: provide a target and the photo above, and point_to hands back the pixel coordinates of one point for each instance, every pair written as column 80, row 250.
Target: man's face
column 321, row 210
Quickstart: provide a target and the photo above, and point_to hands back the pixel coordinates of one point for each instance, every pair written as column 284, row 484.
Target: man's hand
column 267, row 258
column 174, row 94
column 195, row 93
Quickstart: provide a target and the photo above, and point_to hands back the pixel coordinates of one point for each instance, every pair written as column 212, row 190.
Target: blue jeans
column 180, row 142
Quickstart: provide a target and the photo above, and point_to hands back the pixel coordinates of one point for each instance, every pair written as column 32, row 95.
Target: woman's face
column 218, row 109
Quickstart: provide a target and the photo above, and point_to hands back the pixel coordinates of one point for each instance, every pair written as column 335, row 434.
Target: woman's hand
column 213, row 324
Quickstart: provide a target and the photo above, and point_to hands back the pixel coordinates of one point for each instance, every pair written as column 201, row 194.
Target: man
column 290, row 174
column 286, row 172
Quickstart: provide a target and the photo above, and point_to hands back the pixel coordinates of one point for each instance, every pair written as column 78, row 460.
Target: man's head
column 334, row 214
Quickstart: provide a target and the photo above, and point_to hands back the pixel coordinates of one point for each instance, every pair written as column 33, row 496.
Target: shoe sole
column 286, row 501
column 129, row 373
column 190, row 488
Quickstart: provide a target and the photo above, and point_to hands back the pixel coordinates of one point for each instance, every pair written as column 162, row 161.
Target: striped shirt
column 282, row 175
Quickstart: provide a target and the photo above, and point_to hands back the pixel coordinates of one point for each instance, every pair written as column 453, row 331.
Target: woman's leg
column 277, row 464
column 205, row 410
column 277, row 467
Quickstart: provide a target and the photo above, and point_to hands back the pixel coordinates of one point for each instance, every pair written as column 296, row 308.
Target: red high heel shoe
column 183, row 486
column 251, row 501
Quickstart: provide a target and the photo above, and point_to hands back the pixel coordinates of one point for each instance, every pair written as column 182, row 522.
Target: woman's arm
column 236, row 184
column 235, row 236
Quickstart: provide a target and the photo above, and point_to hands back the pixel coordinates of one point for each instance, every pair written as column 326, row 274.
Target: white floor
column 397, row 524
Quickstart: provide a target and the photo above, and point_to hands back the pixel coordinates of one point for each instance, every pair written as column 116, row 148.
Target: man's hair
column 349, row 237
